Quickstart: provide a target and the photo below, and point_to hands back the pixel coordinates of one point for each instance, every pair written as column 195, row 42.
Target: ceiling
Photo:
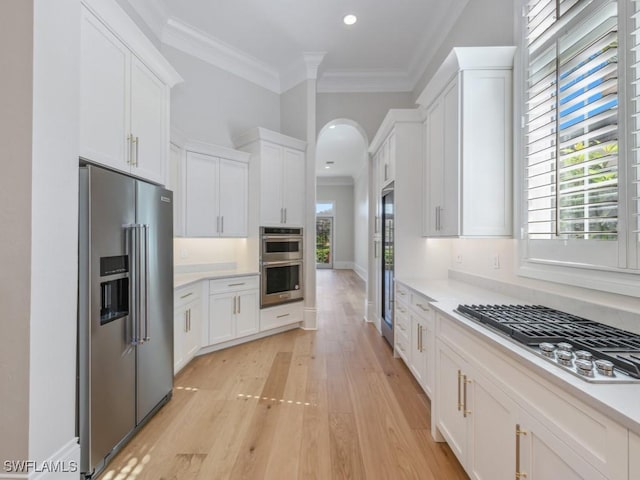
column 277, row 43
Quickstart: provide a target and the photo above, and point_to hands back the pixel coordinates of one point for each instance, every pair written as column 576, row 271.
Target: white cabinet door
column 179, row 330
column 434, row 168
column 449, row 389
column 191, row 341
column 201, row 195
column 542, row 455
column 175, row 184
column 491, row 417
column 294, row 187
column 449, row 224
column 634, row 456
column 418, row 361
column 221, row 313
column 233, row 196
column 271, row 185
column 148, row 128
column 104, row 95
column 246, row 319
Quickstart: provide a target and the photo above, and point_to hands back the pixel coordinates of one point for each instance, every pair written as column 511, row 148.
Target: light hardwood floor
column 326, row 404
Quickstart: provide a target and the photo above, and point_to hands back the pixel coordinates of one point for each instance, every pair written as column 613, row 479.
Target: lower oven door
column 281, row 282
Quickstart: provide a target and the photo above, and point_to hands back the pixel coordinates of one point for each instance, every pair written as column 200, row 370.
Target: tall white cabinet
column 124, row 94
column 468, row 148
column 280, row 160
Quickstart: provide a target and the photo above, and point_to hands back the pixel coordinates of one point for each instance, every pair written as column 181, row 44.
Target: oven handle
column 283, row 238
column 282, row 262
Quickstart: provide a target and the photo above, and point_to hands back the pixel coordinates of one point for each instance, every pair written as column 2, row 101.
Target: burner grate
column 535, row 324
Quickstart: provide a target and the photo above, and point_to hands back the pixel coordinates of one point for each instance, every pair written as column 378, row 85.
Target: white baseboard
column 343, row 265
column 361, row 272
column 370, row 315
column 62, row 465
column 248, row 338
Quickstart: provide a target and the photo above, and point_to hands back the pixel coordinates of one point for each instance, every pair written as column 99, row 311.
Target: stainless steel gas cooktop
column 593, row 351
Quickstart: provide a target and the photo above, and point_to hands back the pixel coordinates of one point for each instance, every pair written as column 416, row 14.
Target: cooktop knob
column 548, row 349
column 584, row 355
column 584, row 367
column 564, row 357
column 565, row 346
column 605, row 367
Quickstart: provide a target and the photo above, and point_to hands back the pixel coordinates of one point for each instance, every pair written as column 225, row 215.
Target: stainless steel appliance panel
column 281, row 282
column 112, row 357
column 155, row 355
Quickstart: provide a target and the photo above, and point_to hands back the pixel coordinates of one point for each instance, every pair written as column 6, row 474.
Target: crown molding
column 391, row 119
column 365, row 81
column 192, row 41
column 153, row 12
column 260, row 133
column 430, row 44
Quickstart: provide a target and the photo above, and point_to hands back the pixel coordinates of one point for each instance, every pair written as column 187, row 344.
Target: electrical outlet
column 496, row 262
column 184, row 253
column 458, row 258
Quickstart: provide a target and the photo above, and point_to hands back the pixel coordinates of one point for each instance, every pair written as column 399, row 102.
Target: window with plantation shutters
column 580, row 141
column 572, row 120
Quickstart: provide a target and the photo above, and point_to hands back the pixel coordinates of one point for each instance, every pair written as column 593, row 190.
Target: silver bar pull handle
column 222, row 224
column 285, row 215
column 133, row 287
column 147, row 320
column 239, row 304
column 186, row 321
column 459, row 390
column 137, row 150
column 234, row 304
column 284, row 315
column 217, row 224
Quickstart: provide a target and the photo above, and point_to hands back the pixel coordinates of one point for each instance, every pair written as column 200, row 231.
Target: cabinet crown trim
column 216, row 151
column 393, row 117
column 466, row 58
column 260, row 133
column 123, row 27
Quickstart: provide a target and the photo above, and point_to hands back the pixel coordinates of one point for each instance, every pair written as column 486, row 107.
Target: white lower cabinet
column 503, row 422
column 414, row 334
column 634, row 456
column 233, row 308
column 187, row 320
column 281, row 315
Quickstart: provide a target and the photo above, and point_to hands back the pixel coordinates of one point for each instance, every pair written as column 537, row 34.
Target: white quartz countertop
column 184, row 279
column 620, row 402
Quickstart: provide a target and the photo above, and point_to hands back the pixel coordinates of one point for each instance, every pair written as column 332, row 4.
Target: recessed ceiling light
column 350, row 19
column 327, row 166
column 332, row 126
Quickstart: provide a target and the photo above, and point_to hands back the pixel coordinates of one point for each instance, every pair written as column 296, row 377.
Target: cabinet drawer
column 402, row 308
column 281, row 315
column 234, row 284
column 403, row 343
column 421, row 305
column 185, row 295
column 402, row 323
column 402, row 293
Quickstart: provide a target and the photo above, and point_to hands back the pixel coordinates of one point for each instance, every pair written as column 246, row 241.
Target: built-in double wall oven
column 282, row 278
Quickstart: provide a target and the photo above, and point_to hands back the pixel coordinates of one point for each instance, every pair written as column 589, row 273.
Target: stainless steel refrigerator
column 388, row 292
column 125, row 310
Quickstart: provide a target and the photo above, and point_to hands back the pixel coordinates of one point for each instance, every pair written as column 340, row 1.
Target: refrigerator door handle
column 147, row 323
column 132, row 252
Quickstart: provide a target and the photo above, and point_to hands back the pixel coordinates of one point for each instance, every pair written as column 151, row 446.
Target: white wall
column 213, row 106
column 343, row 224
column 54, row 252
column 16, row 57
column 293, row 111
column 361, row 223
column 367, row 109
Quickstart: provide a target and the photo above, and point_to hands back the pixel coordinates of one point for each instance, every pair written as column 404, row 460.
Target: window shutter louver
column 635, row 123
column 571, row 120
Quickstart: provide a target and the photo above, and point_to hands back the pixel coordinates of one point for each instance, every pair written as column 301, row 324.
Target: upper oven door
column 277, row 248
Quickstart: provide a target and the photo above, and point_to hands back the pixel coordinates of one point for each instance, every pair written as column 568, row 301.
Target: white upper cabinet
column 281, row 180
column 124, row 94
column 216, row 193
column 468, row 145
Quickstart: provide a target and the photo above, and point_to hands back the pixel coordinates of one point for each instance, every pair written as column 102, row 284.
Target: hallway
column 299, row 405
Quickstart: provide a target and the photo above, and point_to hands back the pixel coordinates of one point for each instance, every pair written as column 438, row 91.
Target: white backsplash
column 474, row 261
column 220, row 253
